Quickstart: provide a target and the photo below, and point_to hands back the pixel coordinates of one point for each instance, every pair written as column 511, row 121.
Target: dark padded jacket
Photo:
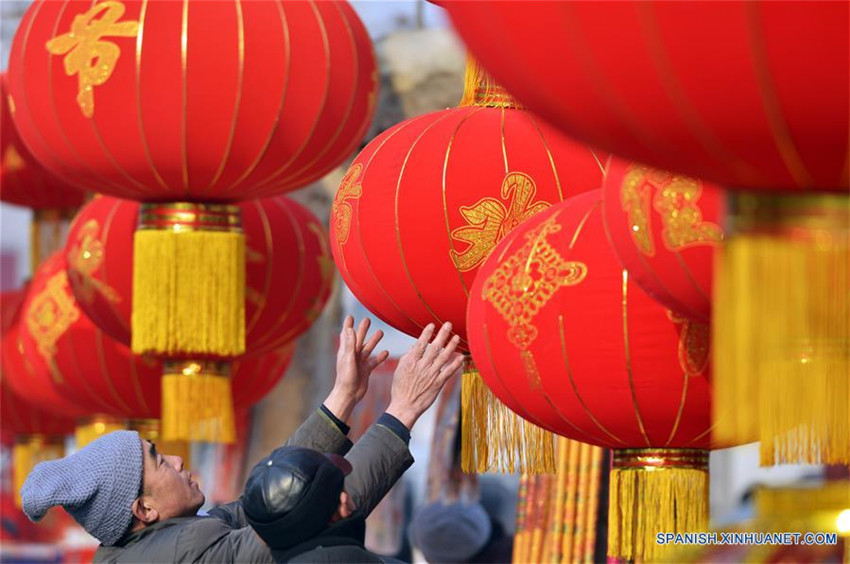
column 378, row 459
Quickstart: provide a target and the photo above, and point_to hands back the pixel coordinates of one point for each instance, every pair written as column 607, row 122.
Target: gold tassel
column 479, row 89
column 94, row 427
column 48, row 232
column 494, row 438
column 189, row 281
column 663, row 490
column 782, row 328
column 28, row 451
column 197, row 403
column 521, row 520
column 150, row 430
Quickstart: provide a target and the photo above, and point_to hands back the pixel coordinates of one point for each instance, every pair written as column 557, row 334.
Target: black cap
column 292, row 494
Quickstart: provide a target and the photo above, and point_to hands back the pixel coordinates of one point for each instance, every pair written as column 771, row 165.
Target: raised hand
column 422, row 372
column 354, row 365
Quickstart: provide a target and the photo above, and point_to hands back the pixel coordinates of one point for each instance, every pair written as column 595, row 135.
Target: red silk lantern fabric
column 426, row 201
column 23, row 181
column 195, row 100
column 289, row 271
column 19, row 414
column 745, row 94
column 563, row 336
column 73, row 358
column 664, row 228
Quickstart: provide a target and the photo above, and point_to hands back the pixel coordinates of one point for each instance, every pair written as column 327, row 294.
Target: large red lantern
column 764, row 110
column 562, row 335
column 188, row 107
column 289, row 278
column 425, row 202
column 664, row 228
column 24, row 182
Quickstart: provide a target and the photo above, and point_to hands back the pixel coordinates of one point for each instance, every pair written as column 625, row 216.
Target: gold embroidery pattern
column 51, row 313
column 694, row 344
column 341, row 210
column 488, row 221
column 12, row 160
column 675, row 200
column 86, row 54
column 85, row 258
column 525, row 282
column 254, row 256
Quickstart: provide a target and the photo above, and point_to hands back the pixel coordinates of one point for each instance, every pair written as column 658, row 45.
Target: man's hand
column 354, row 365
column 422, row 372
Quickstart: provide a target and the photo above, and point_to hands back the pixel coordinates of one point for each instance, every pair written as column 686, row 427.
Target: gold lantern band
column 494, row 438
column 655, row 490
column 90, row 428
column 481, row 90
column 197, row 402
column 150, row 430
column 189, row 281
column 782, row 327
column 28, row 451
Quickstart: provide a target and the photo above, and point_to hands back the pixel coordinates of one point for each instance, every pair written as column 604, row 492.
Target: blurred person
column 142, row 504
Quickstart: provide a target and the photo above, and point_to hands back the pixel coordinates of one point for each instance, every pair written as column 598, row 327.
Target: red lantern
column 198, row 101
column 763, row 110
column 189, row 106
column 738, row 112
column 664, row 229
column 289, row 275
column 425, row 202
column 37, row 432
column 561, row 333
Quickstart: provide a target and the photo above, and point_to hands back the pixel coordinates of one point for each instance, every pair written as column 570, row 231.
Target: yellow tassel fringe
column 28, row 451
column 479, row 89
column 494, row 438
column 782, row 330
column 189, row 293
column 94, row 427
column 647, row 501
column 197, row 403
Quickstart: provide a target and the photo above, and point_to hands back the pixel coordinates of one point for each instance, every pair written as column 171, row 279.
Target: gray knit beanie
column 96, row 485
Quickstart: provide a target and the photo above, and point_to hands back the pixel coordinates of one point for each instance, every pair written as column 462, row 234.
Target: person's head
column 97, row 485
column 453, row 532
column 296, row 493
column 168, row 489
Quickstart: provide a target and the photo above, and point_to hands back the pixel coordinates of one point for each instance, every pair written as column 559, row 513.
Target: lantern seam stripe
column 713, row 145
column 102, row 268
column 396, row 220
column 275, row 176
column 549, row 154
column 680, row 412
column 629, row 358
column 302, row 250
column 120, row 404
column 366, row 260
column 770, row 103
column 284, row 23
column 240, row 25
column 269, row 262
column 452, row 249
column 689, row 275
column 63, row 381
column 343, row 121
column 138, row 74
column 701, row 435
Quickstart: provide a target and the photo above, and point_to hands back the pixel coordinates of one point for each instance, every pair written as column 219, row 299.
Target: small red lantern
column 563, row 336
column 425, row 202
column 664, row 229
column 191, row 106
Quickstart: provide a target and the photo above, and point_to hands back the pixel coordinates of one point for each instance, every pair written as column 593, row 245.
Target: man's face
column 169, row 488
